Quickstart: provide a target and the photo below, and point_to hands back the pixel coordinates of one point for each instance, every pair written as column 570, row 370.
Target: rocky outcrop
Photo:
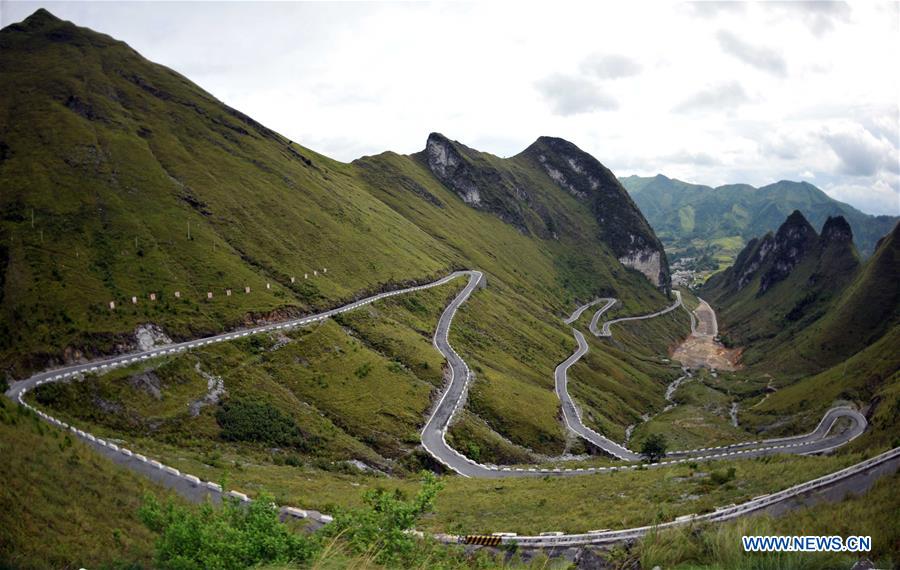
column 752, row 258
column 774, row 257
column 520, row 191
column 471, row 176
column 793, row 240
column 836, row 230
column 622, row 226
column 447, row 163
column 149, row 335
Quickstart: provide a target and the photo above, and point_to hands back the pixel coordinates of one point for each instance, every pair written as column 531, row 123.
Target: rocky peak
column 471, row 175
column 836, row 230
column 752, row 258
column 40, row 19
column 449, row 165
column 622, row 225
column 793, row 240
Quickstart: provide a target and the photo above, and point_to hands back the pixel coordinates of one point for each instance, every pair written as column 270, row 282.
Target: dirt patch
column 703, row 351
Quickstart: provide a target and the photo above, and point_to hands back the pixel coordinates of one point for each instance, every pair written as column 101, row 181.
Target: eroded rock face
column 622, row 226
column 149, row 336
column 648, row 262
column 519, row 195
column 794, row 238
column 752, row 258
column 450, row 167
column 836, row 230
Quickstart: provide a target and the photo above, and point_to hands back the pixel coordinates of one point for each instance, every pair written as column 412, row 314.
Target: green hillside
column 120, row 178
column 63, row 505
column 701, row 221
column 139, row 182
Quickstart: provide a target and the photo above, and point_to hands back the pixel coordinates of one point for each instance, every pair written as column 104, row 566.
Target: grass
column 62, row 504
column 719, row 546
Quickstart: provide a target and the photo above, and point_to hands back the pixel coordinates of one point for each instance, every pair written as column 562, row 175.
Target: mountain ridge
column 741, row 210
column 785, row 292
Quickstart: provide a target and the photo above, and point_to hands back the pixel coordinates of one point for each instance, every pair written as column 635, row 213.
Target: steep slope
column 121, row 179
column 714, row 217
column 804, row 302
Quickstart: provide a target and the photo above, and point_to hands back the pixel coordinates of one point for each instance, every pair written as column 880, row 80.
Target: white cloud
column 861, row 153
column 610, row 66
column 572, row 95
column 717, row 98
column 760, row 57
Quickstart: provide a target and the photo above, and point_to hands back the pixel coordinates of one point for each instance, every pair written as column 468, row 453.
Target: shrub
column 381, row 525
column 260, row 422
column 722, row 476
column 234, row 536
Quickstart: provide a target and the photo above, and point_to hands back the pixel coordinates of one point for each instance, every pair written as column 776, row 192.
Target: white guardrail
column 547, row 539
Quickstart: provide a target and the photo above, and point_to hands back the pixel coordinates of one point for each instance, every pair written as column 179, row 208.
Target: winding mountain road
column 435, row 428
column 815, row 441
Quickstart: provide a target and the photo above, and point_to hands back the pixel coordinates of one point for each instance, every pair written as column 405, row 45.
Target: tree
column 654, row 447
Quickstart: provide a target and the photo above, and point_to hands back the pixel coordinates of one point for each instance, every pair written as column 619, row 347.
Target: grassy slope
column 62, row 505
column 719, row 546
column 116, row 160
column 165, row 154
column 768, row 324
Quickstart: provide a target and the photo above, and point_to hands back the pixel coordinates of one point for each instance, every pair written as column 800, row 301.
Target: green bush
column 722, row 476
column 234, row 536
column 382, row 525
column 242, row 420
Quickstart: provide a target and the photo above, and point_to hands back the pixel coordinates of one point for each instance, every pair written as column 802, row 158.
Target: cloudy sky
column 711, row 93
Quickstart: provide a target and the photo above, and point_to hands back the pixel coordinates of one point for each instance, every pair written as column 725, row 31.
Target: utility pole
column 32, row 218
column 189, row 230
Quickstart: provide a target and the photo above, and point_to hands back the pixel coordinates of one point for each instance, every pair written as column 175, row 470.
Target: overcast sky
column 710, row 93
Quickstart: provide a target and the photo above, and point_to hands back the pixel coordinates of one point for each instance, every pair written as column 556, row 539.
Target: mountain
column 123, row 182
column 826, row 334
column 804, row 300
column 693, row 219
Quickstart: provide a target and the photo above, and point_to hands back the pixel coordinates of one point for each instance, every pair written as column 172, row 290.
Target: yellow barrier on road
column 482, row 540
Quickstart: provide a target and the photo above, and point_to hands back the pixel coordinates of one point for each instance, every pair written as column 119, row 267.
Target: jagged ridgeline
column 120, row 178
column 804, row 301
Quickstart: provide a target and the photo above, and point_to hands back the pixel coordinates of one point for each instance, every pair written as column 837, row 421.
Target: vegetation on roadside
column 61, row 504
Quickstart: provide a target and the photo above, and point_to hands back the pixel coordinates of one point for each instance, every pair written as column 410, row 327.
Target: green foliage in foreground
column 383, row 524
column 240, row 536
column 234, row 536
